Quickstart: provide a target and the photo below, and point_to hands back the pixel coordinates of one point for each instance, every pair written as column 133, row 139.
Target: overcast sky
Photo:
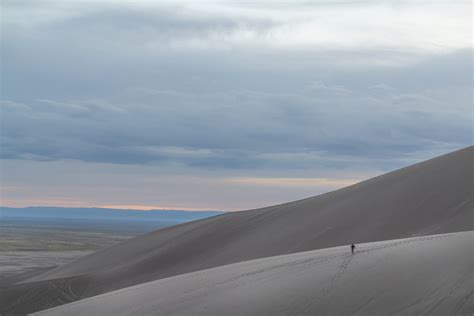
column 225, row 105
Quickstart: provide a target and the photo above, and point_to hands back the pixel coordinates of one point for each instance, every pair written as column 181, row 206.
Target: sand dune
column 425, row 275
column 432, row 197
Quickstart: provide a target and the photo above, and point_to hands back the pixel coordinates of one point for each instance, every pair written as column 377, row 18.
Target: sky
column 225, row 105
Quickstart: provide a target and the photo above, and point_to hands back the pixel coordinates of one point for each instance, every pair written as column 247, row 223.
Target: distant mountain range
column 100, row 214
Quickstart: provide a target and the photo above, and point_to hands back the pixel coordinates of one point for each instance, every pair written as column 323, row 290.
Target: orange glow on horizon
column 289, row 182
column 236, row 186
column 77, row 204
column 149, row 208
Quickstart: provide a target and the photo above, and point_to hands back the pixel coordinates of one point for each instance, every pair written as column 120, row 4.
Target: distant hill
column 432, row 197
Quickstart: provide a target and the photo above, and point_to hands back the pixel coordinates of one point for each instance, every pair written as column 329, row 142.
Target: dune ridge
column 414, row 276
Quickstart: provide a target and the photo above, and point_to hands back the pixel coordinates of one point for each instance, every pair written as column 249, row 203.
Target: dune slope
column 416, row 276
column 433, row 197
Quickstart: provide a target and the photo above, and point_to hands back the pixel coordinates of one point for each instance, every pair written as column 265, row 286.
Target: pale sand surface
column 418, row 276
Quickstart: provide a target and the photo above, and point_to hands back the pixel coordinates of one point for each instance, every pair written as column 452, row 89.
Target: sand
column 416, row 276
column 16, row 262
column 432, row 197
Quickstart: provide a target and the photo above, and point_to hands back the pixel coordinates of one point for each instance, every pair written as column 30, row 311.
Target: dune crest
column 415, row 276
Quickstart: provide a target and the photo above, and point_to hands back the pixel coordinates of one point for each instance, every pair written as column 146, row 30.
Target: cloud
column 155, row 24
column 153, row 104
column 237, row 128
column 81, row 184
column 294, row 90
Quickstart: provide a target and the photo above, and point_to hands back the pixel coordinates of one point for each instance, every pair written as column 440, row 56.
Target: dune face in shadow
column 425, row 275
column 432, row 197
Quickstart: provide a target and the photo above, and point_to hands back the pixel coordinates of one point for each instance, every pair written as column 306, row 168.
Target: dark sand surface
column 432, row 197
column 13, row 263
column 430, row 275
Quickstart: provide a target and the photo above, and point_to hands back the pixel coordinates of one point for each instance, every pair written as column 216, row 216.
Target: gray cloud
column 238, row 129
column 213, row 89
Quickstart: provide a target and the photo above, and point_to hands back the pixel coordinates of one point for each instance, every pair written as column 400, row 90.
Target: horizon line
column 117, row 208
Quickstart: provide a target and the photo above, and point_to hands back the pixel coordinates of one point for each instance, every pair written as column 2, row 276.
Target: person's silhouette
column 353, row 248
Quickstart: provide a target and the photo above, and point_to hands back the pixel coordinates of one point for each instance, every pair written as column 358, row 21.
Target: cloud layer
column 236, row 88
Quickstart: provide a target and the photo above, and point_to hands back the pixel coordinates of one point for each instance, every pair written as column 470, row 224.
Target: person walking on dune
column 353, row 248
